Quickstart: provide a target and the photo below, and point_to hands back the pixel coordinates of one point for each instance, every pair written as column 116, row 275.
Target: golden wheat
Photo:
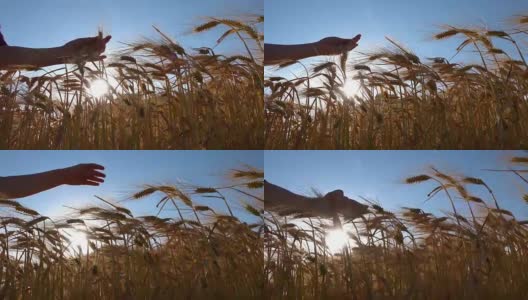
column 410, row 254
column 196, row 253
column 161, row 96
column 405, row 102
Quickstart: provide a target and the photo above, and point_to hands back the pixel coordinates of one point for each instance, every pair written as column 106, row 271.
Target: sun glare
column 77, row 239
column 336, row 240
column 350, row 88
column 98, row 88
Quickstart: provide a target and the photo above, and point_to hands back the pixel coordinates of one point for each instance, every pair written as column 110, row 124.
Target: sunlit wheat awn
column 98, row 88
column 160, row 87
column 101, row 250
column 399, row 95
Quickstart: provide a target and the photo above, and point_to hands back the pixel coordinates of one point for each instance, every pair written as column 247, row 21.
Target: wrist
column 305, row 50
column 62, row 52
column 313, row 49
column 60, row 176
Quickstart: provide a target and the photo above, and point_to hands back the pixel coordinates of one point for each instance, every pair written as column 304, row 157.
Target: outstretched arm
column 87, row 49
column 276, row 54
column 26, row 185
column 283, row 201
column 20, row 56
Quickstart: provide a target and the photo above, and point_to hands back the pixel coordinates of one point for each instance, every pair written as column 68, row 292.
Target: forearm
column 20, row 56
column 276, row 54
column 277, row 198
column 13, row 187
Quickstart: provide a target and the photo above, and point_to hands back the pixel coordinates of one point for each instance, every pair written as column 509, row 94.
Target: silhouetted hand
column 335, row 45
column 341, row 204
column 2, row 40
column 83, row 174
column 89, row 48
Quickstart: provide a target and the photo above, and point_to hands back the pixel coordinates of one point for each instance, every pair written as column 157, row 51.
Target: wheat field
column 161, row 96
column 409, row 254
column 407, row 102
column 185, row 251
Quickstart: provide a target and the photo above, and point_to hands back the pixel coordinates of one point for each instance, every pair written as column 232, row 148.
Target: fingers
column 107, row 39
column 90, row 48
column 97, row 174
column 95, row 166
column 91, row 176
column 95, row 179
column 101, row 43
column 90, row 183
column 350, row 45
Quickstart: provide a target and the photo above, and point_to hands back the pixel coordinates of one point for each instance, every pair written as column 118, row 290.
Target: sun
column 350, row 88
column 98, row 88
column 336, row 240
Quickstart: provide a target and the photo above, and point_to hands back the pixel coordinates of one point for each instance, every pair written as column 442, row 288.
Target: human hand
column 89, row 48
column 2, row 40
column 83, row 174
column 335, row 45
column 349, row 208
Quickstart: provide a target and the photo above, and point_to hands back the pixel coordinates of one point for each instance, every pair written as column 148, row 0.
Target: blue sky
column 379, row 175
column 410, row 22
column 126, row 172
column 50, row 23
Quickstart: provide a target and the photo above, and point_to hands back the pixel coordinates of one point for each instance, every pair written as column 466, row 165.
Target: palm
column 84, row 174
column 335, row 45
column 91, row 47
column 340, row 204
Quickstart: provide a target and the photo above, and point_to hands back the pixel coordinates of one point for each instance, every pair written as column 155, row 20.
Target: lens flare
column 350, row 88
column 98, row 88
column 336, row 240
